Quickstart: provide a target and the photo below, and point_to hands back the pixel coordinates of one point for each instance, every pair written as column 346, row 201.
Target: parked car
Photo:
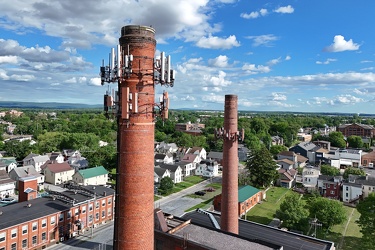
column 200, row 193
column 210, row 189
column 7, row 200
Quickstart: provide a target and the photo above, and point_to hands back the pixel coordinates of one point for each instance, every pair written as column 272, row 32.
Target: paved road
column 102, row 238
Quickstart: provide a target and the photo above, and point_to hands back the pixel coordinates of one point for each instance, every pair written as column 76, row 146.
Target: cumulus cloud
column 361, row 92
column 188, row 98
column 328, row 61
column 263, row 40
column 285, row 10
column 8, row 59
column 218, row 80
column 253, row 69
column 278, row 97
column 339, row 44
column 213, row 98
column 287, row 58
column 214, row 42
column 221, row 61
column 254, row 14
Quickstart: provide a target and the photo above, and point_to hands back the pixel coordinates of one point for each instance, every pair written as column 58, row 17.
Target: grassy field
column 264, row 213
column 188, row 182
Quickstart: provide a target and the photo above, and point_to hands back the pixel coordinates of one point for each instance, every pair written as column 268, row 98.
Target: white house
column 7, row 185
column 192, row 158
column 163, row 158
column 198, row 151
column 56, row 157
column 310, row 176
column 175, row 171
column 351, row 191
column 8, row 163
column 346, row 157
column 187, row 168
column 207, row 168
column 160, row 173
column 35, row 160
column 91, row 176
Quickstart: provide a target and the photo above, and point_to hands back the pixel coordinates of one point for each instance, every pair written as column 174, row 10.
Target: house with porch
column 8, row 163
column 330, row 186
column 191, row 158
column 201, row 152
column 310, row 177
column 287, row 177
column 207, row 168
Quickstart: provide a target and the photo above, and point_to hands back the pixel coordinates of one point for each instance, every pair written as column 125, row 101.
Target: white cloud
column 254, row 14
column 274, row 61
column 366, row 61
column 285, row 10
column 214, row 42
column 263, row 40
column 337, row 100
column 3, row 75
column 339, row 44
column 278, row 97
column 328, row 61
column 8, row 59
column 188, row 98
column 287, row 58
column 22, row 78
column 220, row 61
column 253, row 69
column 218, row 80
column 361, row 92
column 213, row 98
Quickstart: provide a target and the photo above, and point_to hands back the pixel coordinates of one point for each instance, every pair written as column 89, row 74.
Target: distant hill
column 47, row 105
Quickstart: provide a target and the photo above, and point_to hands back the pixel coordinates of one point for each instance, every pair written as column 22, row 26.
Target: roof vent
column 28, row 205
column 1, row 212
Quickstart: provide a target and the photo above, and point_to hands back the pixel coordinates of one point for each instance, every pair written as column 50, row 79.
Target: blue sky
column 297, row 55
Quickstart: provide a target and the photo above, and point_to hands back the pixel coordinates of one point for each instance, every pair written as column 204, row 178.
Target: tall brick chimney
column 229, row 200
column 134, row 211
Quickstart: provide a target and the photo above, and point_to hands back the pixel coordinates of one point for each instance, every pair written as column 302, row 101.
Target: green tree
column 293, row 213
column 353, row 171
column 337, row 139
column 329, row 170
column 166, row 184
column 18, row 149
column 366, row 221
column 262, row 167
column 328, row 212
column 355, row 141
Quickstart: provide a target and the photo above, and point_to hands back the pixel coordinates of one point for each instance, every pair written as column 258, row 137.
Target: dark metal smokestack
column 229, row 202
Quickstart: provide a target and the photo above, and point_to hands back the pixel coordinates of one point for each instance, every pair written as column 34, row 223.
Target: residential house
column 58, row 173
column 346, row 158
column 198, row 151
column 330, row 186
column 165, row 158
column 368, row 159
column 290, row 158
column 7, row 185
column 243, row 152
column 351, row 190
column 181, row 152
column 207, row 168
column 277, row 140
column 175, row 171
column 67, row 153
column 8, row 163
column 306, row 149
column 287, row 177
column 36, row 160
column 187, row 168
column 323, row 144
column 191, row 158
column 248, row 197
column 164, row 147
column 160, row 173
column 91, row 176
column 26, row 171
column 216, row 156
column 310, row 177
column 78, row 163
column 362, row 130
column 56, row 157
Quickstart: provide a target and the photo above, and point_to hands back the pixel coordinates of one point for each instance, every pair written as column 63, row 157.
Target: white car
column 7, row 200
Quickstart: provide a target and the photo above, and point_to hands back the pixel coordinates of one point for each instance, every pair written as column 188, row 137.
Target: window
column 109, row 211
column 103, row 203
column 347, row 188
column 53, row 220
column 69, row 215
column 103, row 214
column 35, row 240
column 90, row 218
column 2, row 237
column 24, row 243
column 329, row 185
column 76, row 211
column 61, row 217
column 369, row 188
column 97, row 204
column 84, row 209
column 24, row 229
column 44, row 236
column 109, row 200
column 13, row 246
column 332, row 192
column 35, row 226
column 44, row 222
column 97, row 216
column 90, row 207
column 346, row 194
column 14, row 233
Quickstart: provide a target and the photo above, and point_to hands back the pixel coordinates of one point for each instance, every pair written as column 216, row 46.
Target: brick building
column 362, row 130
column 41, row 222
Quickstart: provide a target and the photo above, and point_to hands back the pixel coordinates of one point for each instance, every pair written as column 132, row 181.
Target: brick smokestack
column 134, row 218
column 229, row 201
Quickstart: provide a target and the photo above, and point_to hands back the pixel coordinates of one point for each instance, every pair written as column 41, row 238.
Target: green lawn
column 264, row 213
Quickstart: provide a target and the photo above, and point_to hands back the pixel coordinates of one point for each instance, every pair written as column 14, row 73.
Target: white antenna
column 162, row 66
column 112, row 66
column 118, row 61
column 168, row 69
